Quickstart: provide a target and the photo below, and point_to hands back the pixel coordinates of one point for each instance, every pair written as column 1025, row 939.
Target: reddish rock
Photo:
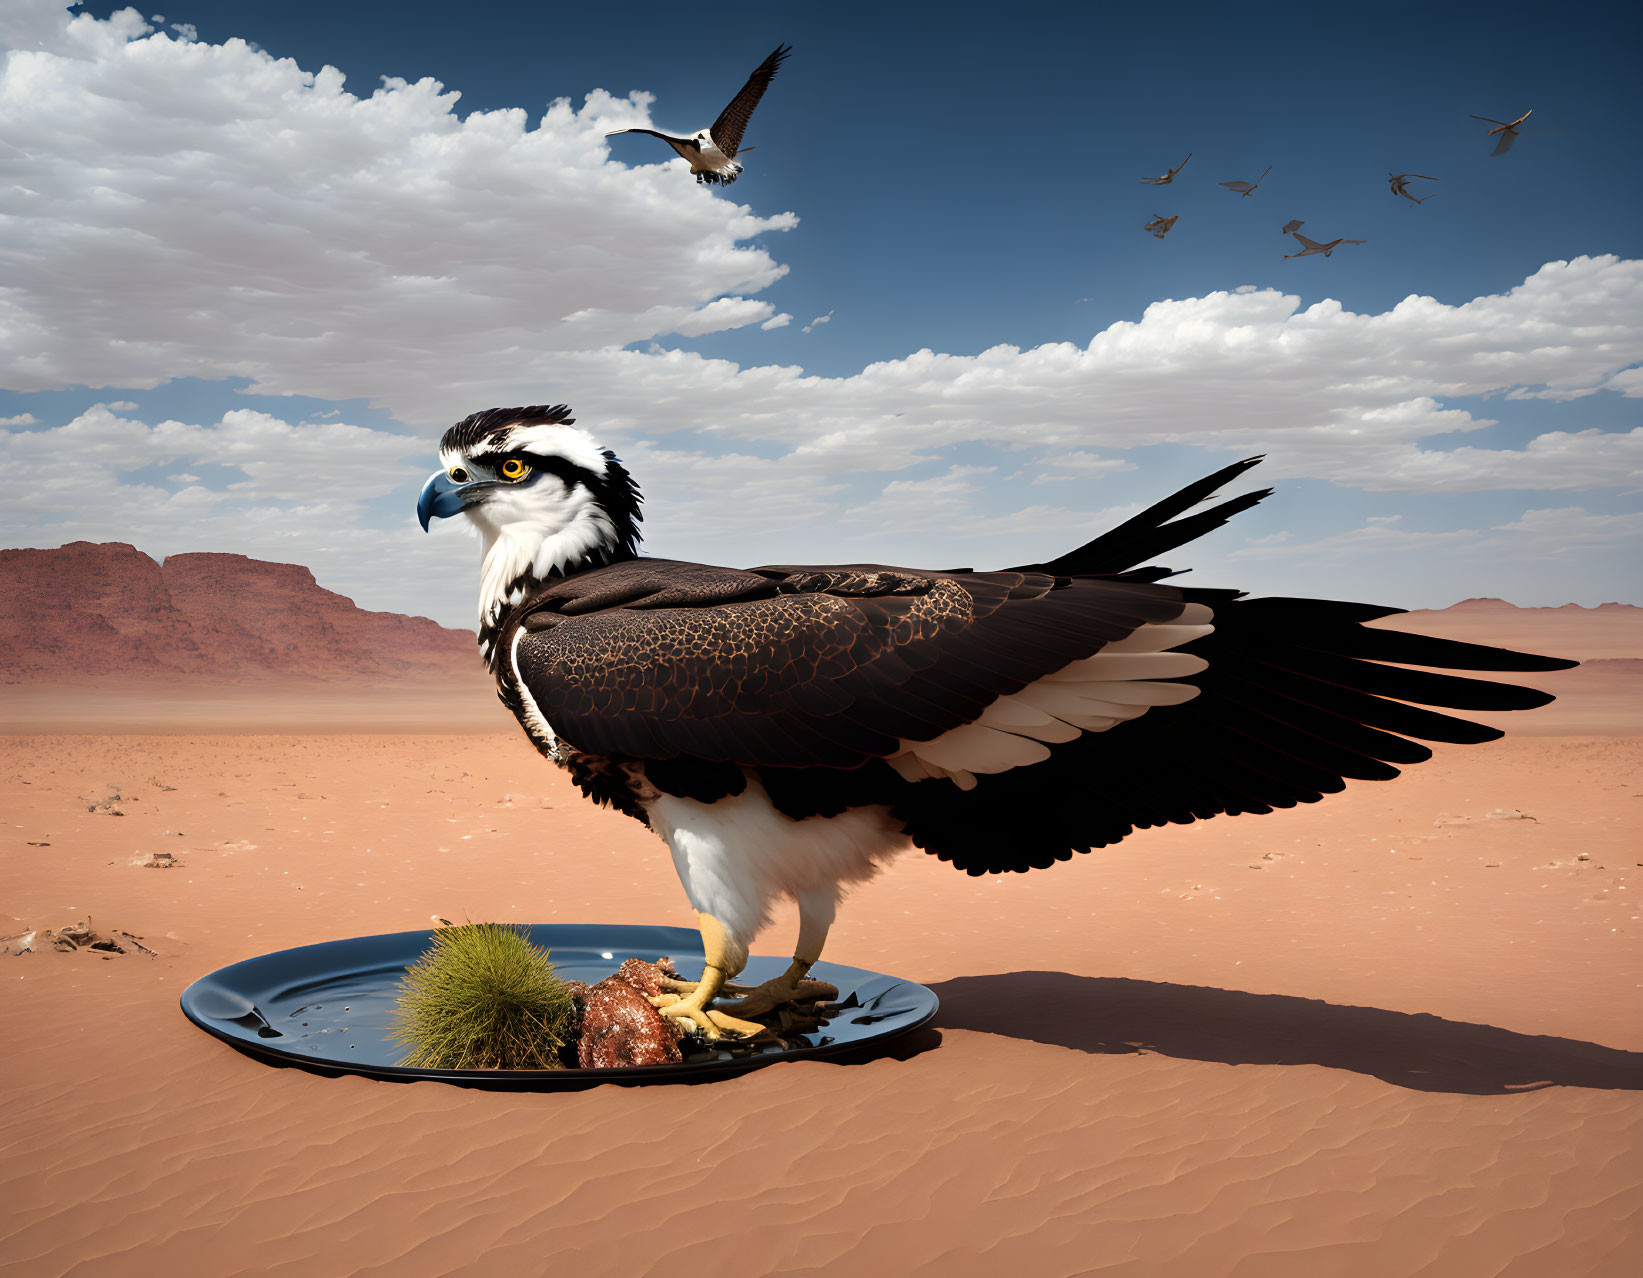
column 90, row 612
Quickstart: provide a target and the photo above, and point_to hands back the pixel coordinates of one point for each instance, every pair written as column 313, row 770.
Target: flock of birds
column 711, row 154
column 1159, row 226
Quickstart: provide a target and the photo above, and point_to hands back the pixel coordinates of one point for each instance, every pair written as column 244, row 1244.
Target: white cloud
column 1629, row 382
column 303, row 495
column 188, row 209
column 1079, row 465
column 22, row 419
column 1326, row 393
column 62, row 472
column 179, row 209
column 1553, row 461
column 183, row 209
column 1539, row 534
column 1377, row 539
column 1558, row 531
column 1577, row 392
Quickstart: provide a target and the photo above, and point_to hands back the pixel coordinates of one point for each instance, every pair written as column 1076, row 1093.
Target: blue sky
column 193, row 218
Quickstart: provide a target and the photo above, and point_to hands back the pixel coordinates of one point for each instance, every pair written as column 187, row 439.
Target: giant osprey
column 711, row 152
column 788, row 729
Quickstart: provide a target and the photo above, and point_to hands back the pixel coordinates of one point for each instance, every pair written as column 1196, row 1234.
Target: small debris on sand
column 76, row 936
column 107, row 804
column 1499, row 814
column 522, row 801
column 158, row 861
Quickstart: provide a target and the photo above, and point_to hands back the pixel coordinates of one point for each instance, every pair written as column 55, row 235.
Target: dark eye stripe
column 568, row 471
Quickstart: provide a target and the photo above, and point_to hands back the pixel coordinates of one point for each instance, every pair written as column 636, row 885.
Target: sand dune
column 1343, row 1039
column 1395, row 1033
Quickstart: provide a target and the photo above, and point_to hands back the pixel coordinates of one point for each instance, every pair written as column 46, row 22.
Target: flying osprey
column 1508, row 132
column 1247, row 189
column 1400, row 185
column 786, row 730
column 1160, row 226
column 712, row 151
column 1309, row 247
column 1166, row 178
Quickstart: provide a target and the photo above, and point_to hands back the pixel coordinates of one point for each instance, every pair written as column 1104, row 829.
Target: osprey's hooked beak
column 443, row 496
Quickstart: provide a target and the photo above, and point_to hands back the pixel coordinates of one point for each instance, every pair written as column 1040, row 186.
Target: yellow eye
column 513, row 468
column 458, row 475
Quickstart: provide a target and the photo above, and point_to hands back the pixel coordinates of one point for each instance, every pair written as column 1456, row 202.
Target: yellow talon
column 707, row 1020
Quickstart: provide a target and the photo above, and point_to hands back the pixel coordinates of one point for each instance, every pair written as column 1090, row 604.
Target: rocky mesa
column 105, row 611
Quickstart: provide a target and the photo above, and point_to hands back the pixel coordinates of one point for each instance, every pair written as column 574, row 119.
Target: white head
column 548, row 502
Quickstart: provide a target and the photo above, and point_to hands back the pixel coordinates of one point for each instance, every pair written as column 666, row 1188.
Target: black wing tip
column 772, row 62
column 1533, row 662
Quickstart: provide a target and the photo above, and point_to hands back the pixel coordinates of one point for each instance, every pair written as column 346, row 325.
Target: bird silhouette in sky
column 1160, row 226
column 1400, row 185
column 1170, row 176
column 1292, row 226
column 1246, row 189
column 1311, row 247
column 712, row 151
column 1508, row 132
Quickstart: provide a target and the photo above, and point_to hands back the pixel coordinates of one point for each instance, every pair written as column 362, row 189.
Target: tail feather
column 1151, row 533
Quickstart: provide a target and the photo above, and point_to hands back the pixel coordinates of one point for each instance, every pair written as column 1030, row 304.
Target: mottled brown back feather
column 803, row 666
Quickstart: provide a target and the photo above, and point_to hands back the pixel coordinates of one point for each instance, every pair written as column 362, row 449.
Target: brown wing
column 1298, row 696
column 793, row 667
column 727, row 129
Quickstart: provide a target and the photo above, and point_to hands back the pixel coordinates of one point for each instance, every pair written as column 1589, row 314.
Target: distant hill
column 106, row 612
column 1608, row 632
column 99, row 637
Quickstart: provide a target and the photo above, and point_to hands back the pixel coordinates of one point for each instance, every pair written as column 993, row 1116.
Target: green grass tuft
column 483, row 997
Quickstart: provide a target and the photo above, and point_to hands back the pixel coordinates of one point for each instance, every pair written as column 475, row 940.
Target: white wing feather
column 1121, row 682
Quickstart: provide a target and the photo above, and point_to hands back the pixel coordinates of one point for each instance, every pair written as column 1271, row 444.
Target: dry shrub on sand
column 483, row 997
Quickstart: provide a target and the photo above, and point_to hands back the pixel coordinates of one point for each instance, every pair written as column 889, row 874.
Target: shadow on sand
column 1113, row 1015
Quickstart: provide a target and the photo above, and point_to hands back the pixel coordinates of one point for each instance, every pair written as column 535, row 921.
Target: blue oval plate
column 328, row 1007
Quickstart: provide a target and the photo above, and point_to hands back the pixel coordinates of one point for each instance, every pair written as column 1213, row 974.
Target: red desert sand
column 1395, row 1033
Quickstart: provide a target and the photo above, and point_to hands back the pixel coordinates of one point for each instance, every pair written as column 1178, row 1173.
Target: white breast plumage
column 536, row 723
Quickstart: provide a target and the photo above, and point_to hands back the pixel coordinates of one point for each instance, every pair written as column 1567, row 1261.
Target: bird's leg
column 719, row 962
column 816, row 913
